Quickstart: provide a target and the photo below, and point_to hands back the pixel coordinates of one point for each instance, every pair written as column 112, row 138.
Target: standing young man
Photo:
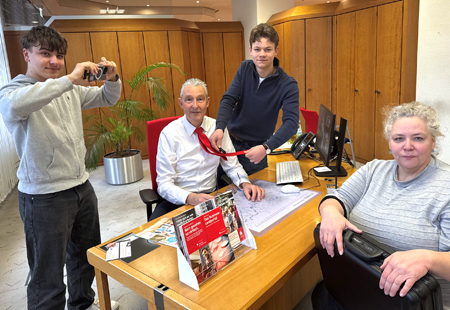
column 251, row 104
column 57, row 204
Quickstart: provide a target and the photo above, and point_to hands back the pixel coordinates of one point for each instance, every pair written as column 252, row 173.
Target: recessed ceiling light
column 218, row 19
column 148, row 4
column 35, row 22
column 107, row 1
column 198, row 1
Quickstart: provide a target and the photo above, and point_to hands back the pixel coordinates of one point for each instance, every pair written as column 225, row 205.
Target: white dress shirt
column 183, row 167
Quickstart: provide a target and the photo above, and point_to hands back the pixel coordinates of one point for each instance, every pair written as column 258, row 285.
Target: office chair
column 311, row 119
column 154, row 128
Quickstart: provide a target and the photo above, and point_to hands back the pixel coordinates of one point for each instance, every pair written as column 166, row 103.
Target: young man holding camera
column 57, row 204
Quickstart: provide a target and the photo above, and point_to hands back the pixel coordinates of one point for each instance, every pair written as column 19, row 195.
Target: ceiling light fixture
column 107, row 1
column 116, row 11
column 148, row 4
column 198, row 1
column 218, row 19
column 35, row 22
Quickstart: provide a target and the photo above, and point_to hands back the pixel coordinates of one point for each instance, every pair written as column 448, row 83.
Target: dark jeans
column 59, row 228
column 322, row 300
column 162, row 208
column 248, row 166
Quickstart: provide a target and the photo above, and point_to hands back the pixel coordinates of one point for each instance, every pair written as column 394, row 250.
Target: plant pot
column 123, row 170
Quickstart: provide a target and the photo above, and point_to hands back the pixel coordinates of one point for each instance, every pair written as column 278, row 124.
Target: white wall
column 433, row 64
column 8, row 155
column 253, row 12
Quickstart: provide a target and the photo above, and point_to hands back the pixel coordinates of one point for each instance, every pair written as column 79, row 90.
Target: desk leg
column 103, row 290
column 151, row 306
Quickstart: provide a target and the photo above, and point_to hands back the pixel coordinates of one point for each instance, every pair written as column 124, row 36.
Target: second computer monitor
column 330, row 143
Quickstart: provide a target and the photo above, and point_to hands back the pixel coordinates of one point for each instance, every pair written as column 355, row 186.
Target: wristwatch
column 267, row 148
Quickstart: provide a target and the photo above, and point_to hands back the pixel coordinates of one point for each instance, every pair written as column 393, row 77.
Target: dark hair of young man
column 264, row 30
column 45, row 37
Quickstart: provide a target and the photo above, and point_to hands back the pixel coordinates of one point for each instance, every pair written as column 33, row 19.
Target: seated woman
column 403, row 203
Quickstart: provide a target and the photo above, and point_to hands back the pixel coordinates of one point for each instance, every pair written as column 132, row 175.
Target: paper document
column 260, row 215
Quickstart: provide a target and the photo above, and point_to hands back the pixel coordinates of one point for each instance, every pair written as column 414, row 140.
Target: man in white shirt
column 186, row 172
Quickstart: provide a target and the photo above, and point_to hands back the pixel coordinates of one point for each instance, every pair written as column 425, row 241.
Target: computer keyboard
column 289, row 172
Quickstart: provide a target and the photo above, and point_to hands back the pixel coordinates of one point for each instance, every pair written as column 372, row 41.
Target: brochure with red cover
column 207, row 244
column 231, row 218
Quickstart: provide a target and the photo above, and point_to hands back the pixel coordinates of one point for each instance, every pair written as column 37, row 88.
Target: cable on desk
column 309, row 174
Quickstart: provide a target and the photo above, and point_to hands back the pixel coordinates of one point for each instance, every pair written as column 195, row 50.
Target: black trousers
column 162, row 208
column 322, row 300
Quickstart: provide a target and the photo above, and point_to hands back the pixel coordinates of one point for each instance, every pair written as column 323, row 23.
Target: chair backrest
column 154, row 129
column 311, row 119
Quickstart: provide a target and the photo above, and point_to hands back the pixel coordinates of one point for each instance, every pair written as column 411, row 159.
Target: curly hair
column 412, row 109
column 45, row 37
column 264, row 30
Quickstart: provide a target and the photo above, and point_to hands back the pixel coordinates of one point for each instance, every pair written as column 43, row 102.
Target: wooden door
column 214, row 70
column 180, row 52
column 318, row 41
column 132, row 58
column 363, row 132
column 345, row 68
column 389, row 44
column 104, row 44
column 233, row 54
column 156, row 45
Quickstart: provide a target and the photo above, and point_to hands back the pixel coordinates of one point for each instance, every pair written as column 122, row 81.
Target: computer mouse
column 290, row 189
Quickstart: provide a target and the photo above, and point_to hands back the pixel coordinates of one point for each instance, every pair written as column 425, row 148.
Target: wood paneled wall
column 355, row 57
column 210, row 51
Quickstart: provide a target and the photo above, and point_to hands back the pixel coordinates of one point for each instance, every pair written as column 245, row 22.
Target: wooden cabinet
column 368, row 48
column 360, row 56
column 389, row 51
column 318, row 46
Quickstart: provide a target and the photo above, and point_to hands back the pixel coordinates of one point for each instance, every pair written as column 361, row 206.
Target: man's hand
column 76, row 77
column 407, row 267
column 252, row 191
column 194, row 199
column 256, row 154
column 216, row 139
column 332, row 226
column 112, row 69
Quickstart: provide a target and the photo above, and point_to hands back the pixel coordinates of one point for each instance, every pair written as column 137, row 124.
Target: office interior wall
column 211, row 51
column 433, row 64
column 8, row 155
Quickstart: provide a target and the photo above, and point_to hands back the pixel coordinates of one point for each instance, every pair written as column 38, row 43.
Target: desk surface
column 248, row 282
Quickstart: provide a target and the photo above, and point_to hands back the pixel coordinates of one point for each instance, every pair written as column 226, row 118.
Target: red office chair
column 150, row 196
column 311, row 119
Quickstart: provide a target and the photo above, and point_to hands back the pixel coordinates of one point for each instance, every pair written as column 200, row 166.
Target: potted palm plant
column 115, row 126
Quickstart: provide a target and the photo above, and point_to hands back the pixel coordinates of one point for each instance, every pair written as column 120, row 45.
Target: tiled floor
column 120, row 209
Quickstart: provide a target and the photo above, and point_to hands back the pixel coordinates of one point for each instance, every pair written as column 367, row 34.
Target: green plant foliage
column 126, row 118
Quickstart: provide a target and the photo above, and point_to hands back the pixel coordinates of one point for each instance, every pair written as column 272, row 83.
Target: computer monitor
column 330, row 143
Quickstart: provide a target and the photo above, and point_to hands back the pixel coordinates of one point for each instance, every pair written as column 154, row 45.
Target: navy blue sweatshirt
column 250, row 109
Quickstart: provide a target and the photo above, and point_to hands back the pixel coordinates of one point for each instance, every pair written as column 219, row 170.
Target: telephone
column 301, row 144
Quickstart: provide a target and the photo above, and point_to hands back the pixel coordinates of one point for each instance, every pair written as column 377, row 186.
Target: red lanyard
column 206, row 145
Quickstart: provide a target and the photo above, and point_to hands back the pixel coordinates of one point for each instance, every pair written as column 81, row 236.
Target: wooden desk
column 275, row 276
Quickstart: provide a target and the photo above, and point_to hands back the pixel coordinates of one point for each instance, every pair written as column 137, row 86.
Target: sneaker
column 96, row 305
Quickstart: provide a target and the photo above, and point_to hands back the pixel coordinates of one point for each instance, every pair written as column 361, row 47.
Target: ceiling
column 16, row 13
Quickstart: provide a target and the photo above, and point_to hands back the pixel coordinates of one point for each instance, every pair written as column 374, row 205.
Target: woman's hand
column 332, row 226
column 403, row 267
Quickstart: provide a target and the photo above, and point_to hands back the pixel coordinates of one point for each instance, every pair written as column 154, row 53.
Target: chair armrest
column 148, row 196
column 226, row 179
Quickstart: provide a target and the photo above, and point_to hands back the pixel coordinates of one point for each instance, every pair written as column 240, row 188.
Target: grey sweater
column 45, row 121
column 403, row 215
